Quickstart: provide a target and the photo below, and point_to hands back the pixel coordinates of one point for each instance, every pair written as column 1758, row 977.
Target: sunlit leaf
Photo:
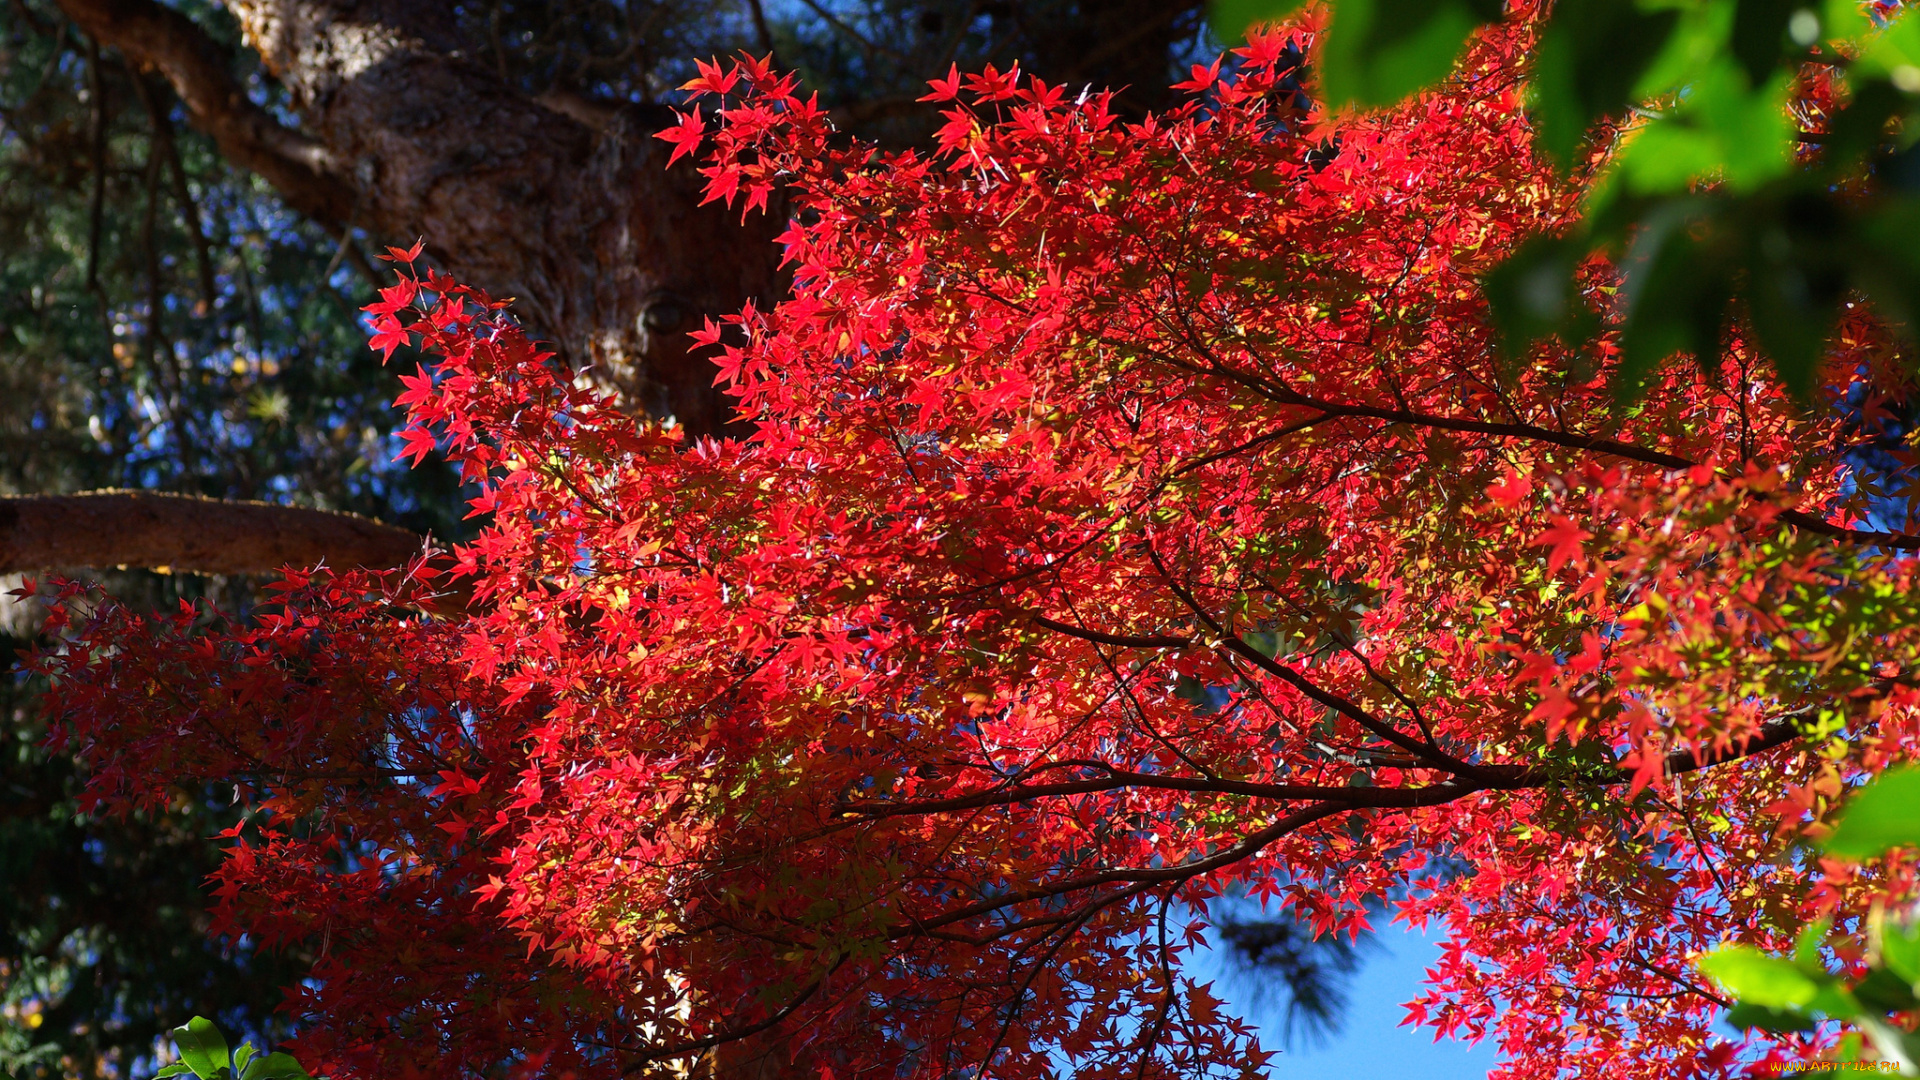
column 202, row 1047
column 1759, row 979
column 1882, row 815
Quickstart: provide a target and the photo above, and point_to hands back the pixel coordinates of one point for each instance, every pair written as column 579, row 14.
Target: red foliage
column 1134, row 513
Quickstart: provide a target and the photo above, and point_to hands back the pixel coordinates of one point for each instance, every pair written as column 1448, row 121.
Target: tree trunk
column 565, row 206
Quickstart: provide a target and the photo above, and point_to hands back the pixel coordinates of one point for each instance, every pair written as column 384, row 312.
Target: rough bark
column 184, row 533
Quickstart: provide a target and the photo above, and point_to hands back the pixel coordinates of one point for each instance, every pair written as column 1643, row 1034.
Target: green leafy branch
column 1782, row 994
column 203, row 1053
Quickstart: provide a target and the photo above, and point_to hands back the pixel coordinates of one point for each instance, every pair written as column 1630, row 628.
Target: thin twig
column 97, row 148
column 182, row 193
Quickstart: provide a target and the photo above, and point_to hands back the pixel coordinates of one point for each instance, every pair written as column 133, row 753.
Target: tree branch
column 1326, row 410
column 1494, row 777
column 1124, row 641
column 186, row 533
column 151, row 35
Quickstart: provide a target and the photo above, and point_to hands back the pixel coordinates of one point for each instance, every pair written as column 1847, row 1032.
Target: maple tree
column 1134, row 513
column 185, row 192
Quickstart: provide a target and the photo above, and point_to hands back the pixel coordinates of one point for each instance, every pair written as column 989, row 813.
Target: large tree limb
column 184, row 533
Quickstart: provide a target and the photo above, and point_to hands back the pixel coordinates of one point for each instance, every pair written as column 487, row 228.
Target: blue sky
column 1373, row 1042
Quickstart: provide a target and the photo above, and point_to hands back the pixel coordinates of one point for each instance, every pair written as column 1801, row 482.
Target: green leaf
column 1796, row 279
column 1376, row 52
column 1591, row 55
column 1836, row 1002
column 1676, row 292
column 1884, row 814
column 1778, row 1021
column 1843, row 20
column 1900, row 951
column 1759, row 979
column 1532, row 295
column 175, row 1069
column 1885, row 991
column 1889, row 265
column 202, row 1047
column 241, row 1057
column 1232, row 17
column 276, row 1067
column 1859, row 129
column 1699, row 40
column 1806, row 947
column 1893, row 48
column 1720, row 130
column 1760, row 35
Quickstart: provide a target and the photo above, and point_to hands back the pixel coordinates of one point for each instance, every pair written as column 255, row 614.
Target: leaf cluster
column 204, row 1054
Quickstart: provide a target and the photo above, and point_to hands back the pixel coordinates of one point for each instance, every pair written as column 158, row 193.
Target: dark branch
column 1533, row 433
column 1124, row 641
column 152, row 35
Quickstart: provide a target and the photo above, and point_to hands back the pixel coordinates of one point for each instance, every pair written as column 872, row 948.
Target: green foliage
column 1592, row 57
column 1883, row 815
column 1778, row 994
column 1707, row 205
column 203, row 1053
column 1766, row 981
column 1377, row 51
column 1781, row 995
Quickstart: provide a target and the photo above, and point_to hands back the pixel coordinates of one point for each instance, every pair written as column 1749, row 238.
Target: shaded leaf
column 1231, row 18
column 1378, row 51
column 1532, row 295
column 1779, row 1021
column 1900, row 952
column 1884, row 990
column 275, row 1066
column 1591, row 55
column 1759, row 33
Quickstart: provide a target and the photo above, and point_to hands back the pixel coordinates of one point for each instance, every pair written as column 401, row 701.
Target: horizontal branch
column 1280, row 391
column 1500, row 777
column 186, row 533
column 1570, row 440
column 1122, row 641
